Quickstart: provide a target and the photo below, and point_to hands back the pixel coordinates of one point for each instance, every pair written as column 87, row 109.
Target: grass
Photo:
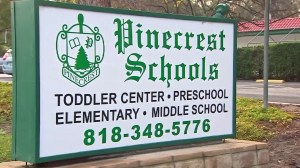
column 251, row 120
column 5, row 101
column 5, row 117
column 5, row 146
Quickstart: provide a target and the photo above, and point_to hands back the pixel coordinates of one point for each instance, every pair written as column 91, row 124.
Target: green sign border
column 26, row 91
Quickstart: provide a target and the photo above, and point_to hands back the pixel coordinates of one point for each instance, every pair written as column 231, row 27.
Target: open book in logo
column 81, row 49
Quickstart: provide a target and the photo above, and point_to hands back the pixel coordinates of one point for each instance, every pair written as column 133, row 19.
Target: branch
column 160, row 6
column 176, row 6
column 276, row 20
column 191, row 6
column 251, row 11
column 203, row 7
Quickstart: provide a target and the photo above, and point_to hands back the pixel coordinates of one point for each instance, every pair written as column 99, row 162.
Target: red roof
column 275, row 24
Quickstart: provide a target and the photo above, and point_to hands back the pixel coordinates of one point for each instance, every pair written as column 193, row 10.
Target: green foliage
column 5, row 146
column 251, row 117
column 4, row 14
column 250, row 131
column 5, row 101
column 5, row 25
column 250, row 63
column 5, row 115
column 284, row 62
column 3, row 49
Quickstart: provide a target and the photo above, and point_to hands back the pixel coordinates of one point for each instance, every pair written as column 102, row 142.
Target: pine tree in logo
column 80, row 48
column 82, row 62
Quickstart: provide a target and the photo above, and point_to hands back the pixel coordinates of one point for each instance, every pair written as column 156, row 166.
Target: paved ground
column 5, row 78
column 288, row 92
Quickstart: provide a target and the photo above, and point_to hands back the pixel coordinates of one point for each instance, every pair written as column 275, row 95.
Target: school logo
column 80, row 49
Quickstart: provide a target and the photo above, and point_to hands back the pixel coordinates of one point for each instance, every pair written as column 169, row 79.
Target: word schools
column 130, row 34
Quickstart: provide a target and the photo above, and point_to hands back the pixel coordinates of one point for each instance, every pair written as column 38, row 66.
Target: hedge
column 284, row 62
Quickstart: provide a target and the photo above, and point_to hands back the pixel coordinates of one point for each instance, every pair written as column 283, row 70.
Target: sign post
column 93, row 81
column 266, row 54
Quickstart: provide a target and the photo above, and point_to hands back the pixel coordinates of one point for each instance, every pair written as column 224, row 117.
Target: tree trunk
column 191, row 7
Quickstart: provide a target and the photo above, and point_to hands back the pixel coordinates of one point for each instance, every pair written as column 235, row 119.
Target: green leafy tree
column 81, row 60
column 4, row 15
column 5, row 25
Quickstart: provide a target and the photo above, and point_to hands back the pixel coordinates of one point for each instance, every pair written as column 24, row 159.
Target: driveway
column 5, row 78
column 288, row 92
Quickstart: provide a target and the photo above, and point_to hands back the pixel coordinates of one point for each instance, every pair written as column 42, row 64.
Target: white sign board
column 111, row 80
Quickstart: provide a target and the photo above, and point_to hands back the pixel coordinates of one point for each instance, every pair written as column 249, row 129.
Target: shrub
column 284, row 62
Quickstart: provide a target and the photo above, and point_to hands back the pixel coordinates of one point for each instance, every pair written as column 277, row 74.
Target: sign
column 112, row 80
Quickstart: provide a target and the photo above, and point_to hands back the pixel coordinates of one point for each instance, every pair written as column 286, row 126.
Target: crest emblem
column 80, row 49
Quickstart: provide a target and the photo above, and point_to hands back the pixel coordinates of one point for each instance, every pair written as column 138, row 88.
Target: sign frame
column 26, row 90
